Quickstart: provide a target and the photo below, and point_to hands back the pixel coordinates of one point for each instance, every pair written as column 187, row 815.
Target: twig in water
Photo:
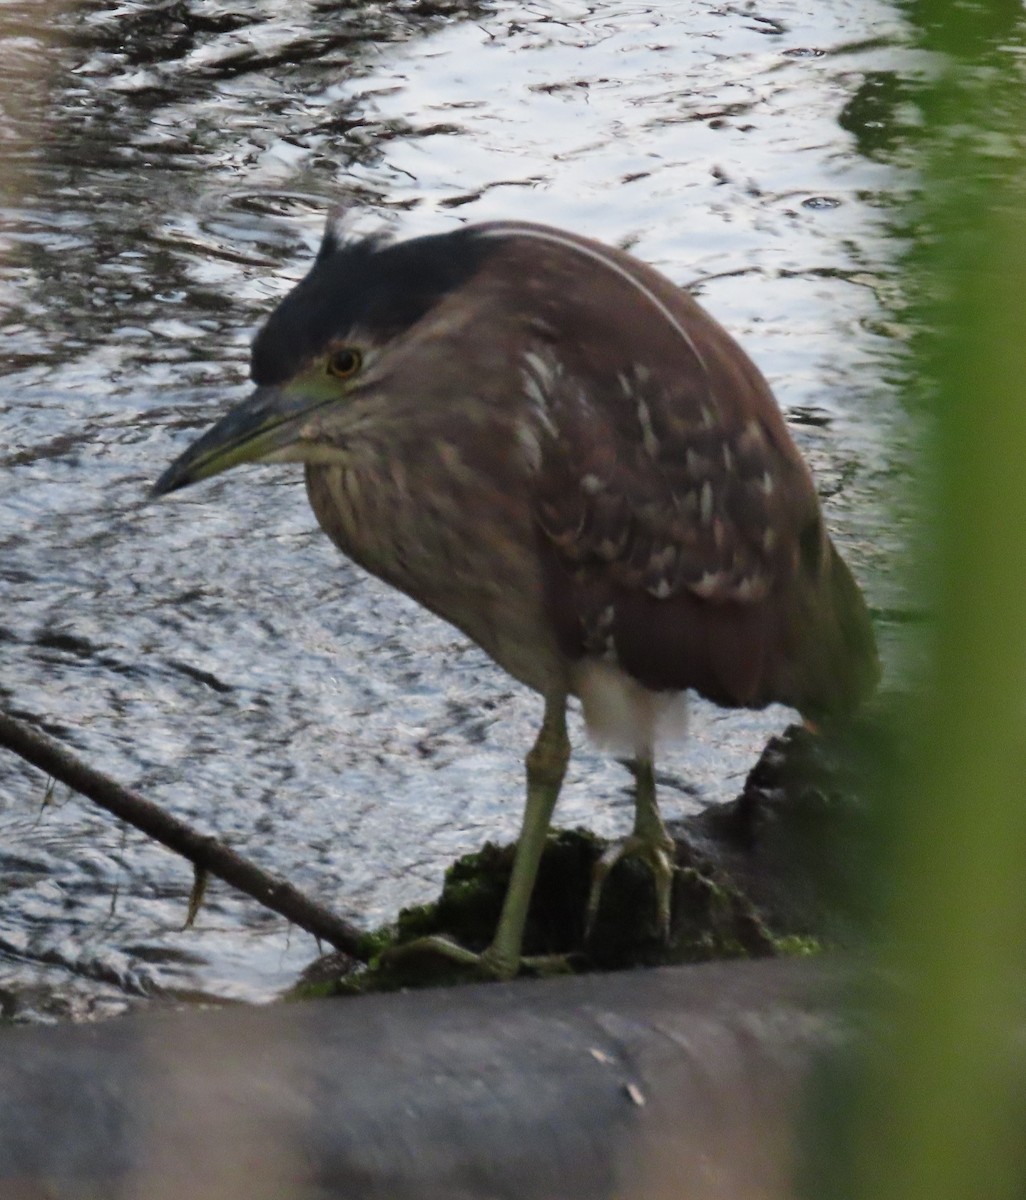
column 206, row 853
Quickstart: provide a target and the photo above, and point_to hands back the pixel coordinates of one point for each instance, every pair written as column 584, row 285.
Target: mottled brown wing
column 661, row 510
column 679, row 529
column 669, row 500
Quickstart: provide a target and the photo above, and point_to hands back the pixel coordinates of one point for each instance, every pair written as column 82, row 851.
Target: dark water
column 166, row 168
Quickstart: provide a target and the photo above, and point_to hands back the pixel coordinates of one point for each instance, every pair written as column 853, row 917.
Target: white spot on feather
column 610, row 548
column 696, row 465
column 648, row 437
column 706, row 503
column 543, row 369
column 708, row 586
column 539, row 403
column 542, row 327
column 752, row 436
column 752, row 587
column 539, row 377
column 530, row 446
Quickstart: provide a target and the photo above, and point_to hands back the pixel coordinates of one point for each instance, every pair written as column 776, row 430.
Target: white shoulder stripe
column 544, row 233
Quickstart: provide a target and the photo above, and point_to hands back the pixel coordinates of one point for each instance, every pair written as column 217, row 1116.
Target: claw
column 658, row 853
column 490, row 964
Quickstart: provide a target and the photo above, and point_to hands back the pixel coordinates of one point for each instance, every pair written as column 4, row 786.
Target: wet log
column 678, row 1082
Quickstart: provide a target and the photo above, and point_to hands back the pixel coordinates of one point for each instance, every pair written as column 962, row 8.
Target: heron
column 557, row 450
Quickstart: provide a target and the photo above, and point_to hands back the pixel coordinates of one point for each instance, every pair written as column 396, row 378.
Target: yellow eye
column 344, row 364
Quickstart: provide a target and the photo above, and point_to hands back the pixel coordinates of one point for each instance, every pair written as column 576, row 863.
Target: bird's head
column 330, row 344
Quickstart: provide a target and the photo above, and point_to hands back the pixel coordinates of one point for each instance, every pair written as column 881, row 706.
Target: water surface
column 168, row 171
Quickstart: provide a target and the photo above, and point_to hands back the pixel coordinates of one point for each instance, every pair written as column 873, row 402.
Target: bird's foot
column 490, row 964
column 659, row 852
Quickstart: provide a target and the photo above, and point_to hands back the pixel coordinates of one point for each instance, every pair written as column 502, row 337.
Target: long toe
column 658, row 853
column 487, row 965
column 490, row 964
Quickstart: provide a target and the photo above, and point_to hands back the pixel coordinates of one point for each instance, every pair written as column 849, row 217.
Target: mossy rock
column 781, row 870
column 711, row 919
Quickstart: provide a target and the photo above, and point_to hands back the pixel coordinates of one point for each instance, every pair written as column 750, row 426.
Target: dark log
column 682, row 1083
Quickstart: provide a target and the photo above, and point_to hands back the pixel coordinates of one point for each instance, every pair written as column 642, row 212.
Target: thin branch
column 205, row 852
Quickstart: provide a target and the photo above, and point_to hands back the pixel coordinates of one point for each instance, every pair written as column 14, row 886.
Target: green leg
column 546, row 766
column 649, row 840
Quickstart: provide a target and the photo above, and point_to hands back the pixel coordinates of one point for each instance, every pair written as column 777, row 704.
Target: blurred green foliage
column 935, row 1112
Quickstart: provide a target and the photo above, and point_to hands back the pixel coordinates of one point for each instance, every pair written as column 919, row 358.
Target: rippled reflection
column 175, row 164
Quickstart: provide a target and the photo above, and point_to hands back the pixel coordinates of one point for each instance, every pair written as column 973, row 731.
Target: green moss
column 374, row 943
column 313, row 991
column 769, row 874
column 712, row 919
column 795, row 945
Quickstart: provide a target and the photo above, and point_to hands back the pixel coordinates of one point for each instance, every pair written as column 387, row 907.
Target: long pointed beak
column 262, row 426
